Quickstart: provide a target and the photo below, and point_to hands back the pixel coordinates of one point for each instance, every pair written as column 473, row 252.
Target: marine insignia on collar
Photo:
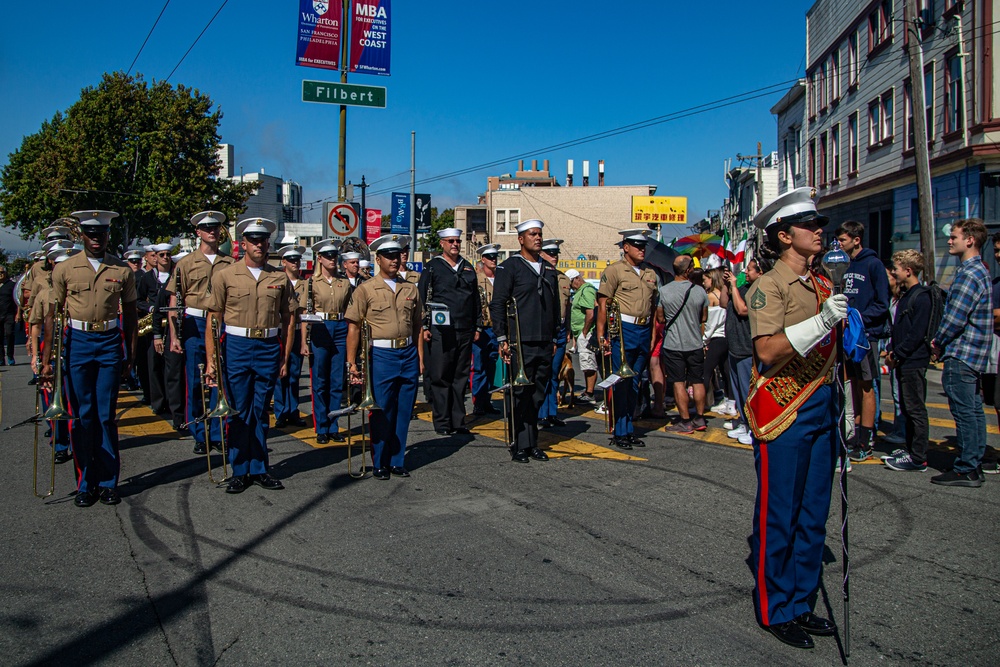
column 758, row 300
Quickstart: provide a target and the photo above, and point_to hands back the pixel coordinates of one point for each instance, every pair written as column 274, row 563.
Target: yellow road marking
column 138, row 420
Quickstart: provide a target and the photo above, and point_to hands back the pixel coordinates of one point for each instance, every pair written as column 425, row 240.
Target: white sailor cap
column 551, row 244
column 404, row 242
column 57, row 231
column 529, row 224
column 36, row 255
column 572, row 273
column 385, row 243
column 799, row 205
column 291, row 252
column 364, row 264
column 162, row 247
column 56, row 247
column 94, row 218
column 488, row 249
column 344, row 256
column 60, row 254
column 326, row 245
column 208, row 218
column 255, row 226
column 134, row 253
column 149, row 248
column 449, row 233
column 639, row 235
column 182, row 253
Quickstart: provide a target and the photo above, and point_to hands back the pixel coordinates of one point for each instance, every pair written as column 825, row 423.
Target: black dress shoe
column 555, row 421
column 296, row 421
column 322, row 438
column 634, row 441
column 85, row 498
column 47, row 434
column 381, row 473
column 816, row 625
column 237, row 484
column 448, row 432
column 110, row 497
column 461, row 430
column 336, row 437
column 280, row 422
column 64, row 456
column 215, row 446
column 33, row 381
column 621, row 442
column 265, row 481
column 539, row 455
column 521, row 456
column 399, row 471
column 199, row 448
column 791, row 634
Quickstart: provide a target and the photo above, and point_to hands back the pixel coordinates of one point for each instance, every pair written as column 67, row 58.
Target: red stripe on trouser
column 762, row 546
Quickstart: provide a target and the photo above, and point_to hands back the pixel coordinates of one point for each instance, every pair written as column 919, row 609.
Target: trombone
column 366, row 403
column 624, row 371
column 521, row 380
column 220, row 411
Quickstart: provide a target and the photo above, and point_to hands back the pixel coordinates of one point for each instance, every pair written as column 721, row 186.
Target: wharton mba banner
column 319, row 33
column 370, row 37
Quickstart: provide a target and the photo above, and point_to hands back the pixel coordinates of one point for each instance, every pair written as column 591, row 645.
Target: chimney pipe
column 569, row 173
column 520, row 165
column 534, row 165
column 586, row 173
column 545, row 166
column 600, row 172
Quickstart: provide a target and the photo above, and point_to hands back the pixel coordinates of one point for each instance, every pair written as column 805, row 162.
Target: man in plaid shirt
column 963, row 342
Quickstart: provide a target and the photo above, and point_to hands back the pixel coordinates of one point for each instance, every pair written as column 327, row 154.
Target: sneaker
column 737, row 432
column 585, row 398
column 951, row 478
column 991, row 467
column 905, row 463
column 729, row 425
column 685, row 426
column 601, row 409
column 10, row 362
column 896, row 453
column 699, row 423
column 849, row 467
column 745, row 439
column 720, row 408
column 859, row 454
column 895, row 439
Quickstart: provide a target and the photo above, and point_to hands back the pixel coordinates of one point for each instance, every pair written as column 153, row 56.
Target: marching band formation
column 220, row 339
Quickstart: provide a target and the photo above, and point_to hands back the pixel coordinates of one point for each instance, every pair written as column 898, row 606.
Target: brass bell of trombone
column 615, row 328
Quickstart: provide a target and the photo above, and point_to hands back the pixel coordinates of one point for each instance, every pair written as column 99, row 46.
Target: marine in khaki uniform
column 257, row 303
column 187, row 327
column 634, row 288
column 792, row 413
column 393, row 311
column 484, row 348
column 404, row 259
column 328, row 338
column 91, row 288
column 286, row 394
column 548, row 412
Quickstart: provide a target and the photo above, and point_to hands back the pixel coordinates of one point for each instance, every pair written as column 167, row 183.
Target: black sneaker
column 859, row 454
column 951, row 478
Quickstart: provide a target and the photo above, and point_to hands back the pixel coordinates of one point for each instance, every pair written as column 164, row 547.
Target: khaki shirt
column 253, row 304
column 779, row 299
column 331, row 296
column 39, row 280
column 636, row 293
column 564, row 296
column 484, row 283
column 300, row 288
column 41, row 295
column 196, row 278
column 411, row 277
column 390, row 315
column 93, row 296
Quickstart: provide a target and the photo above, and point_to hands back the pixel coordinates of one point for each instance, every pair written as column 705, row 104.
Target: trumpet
column 365, row 403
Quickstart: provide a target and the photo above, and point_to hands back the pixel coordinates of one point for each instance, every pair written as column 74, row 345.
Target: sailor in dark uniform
column 484, row 349
column 530, row 283
column 450, row 291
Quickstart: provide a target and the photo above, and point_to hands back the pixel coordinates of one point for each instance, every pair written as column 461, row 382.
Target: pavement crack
column 145, row 587
column 226, row 648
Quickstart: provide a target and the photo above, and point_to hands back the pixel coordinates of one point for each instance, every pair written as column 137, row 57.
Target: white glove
column 804, row 336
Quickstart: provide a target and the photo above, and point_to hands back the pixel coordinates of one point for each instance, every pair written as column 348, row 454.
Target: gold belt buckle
column 398, row 343
column 642, row 321
column 257, row 333
column 97, row 326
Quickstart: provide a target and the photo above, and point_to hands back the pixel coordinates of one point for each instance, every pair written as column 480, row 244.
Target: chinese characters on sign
column 659, row 210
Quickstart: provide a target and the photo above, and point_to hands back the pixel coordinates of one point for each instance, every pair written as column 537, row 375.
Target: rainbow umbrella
column 699, row 245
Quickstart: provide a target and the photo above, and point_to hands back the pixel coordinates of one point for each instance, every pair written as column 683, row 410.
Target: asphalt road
column 592, row 558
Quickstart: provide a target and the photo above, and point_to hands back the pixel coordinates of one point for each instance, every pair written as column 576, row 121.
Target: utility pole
column 413, row 175
column 760, row 182
column 363, row 218
column 342, row 154
column 921, row 157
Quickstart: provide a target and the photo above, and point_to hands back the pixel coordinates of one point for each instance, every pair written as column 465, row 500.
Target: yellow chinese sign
column 590, row 269
column 659, row 210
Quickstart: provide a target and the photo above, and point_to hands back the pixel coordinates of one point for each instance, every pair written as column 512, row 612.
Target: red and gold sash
column 776, row 396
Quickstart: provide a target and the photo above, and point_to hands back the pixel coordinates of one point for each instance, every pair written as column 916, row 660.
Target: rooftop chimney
column 600, row 172
column 586, row 173
column 545, row 166
column 534, row 165
column 520, row 165
column 569, row 173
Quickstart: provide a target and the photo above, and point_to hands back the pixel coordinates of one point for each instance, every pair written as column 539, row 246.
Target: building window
column 823, row 170
column 852, row 143
column 821, row 88
column 887, row 115
column 852, row 59
column 874, row 122
column 811, row 102
column 278, row 188
column 812, row 163
column 835, row 76
column 929, row 98
column 908, row 142
column 835, row 153
column 954, row 98
column 506, row 220
column 797, row 144
column 880, row 26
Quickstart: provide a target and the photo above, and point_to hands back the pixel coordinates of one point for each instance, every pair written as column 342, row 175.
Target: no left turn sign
column 343, row 220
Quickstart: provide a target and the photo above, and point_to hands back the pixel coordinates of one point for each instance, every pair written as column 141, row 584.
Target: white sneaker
column 731, row 406
column 728, row 425
column 737, row 432
column 601, row 409
column 720, row 407
column 746, row 439
column 849, row 467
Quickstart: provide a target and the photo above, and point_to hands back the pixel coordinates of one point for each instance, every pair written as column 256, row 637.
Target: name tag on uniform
column 440, row 314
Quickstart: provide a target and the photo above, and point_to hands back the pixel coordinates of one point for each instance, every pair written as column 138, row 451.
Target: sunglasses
column 492, row 258
column 134, row 260
column 214, row 227
column 451, row 240
column 390, row 254
column 328, row 255
column 163, row 254
column 292, row 258
column 256, row 238
column 94, row 232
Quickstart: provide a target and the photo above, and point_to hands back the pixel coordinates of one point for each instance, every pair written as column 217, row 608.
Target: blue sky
column 476, row 81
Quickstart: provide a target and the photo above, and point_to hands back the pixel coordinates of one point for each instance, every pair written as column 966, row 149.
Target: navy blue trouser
column 252, row 366
column 286, row 393
column 550, row 404
column 395, row 374
column 193, row 340
column 625, row 394
column 794, row 481
column 484, row 367
column 329, row 363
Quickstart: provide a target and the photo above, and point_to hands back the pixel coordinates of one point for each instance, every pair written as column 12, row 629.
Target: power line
column 224, row 3
column 147, row 38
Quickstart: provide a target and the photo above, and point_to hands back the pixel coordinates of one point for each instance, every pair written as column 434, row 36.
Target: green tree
column 430, row 242
column 147, row 151
column 17, row 266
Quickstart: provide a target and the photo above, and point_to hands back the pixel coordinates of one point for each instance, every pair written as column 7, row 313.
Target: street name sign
column 349, row 94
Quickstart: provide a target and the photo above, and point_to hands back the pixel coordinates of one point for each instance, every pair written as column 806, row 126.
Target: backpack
column 938, row 297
